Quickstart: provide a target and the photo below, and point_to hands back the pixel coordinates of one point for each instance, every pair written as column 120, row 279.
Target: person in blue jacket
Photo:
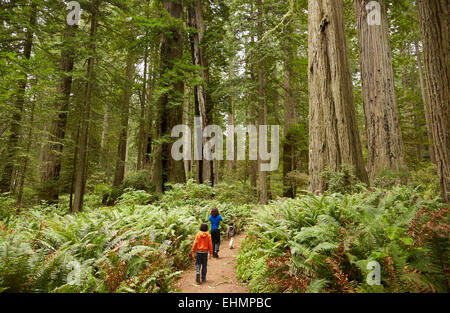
column 215, row 219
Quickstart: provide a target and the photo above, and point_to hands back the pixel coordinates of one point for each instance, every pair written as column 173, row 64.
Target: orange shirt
column 202, row 242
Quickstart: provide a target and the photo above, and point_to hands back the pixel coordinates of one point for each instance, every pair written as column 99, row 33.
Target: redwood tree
column 333, row 131
column 385, row 149
column 170, row 109
column 434, row 21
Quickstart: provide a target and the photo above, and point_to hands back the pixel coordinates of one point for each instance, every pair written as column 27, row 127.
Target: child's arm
column 194, row 247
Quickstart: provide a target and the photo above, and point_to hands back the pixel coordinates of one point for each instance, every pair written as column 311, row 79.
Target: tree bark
column 383, row 133
column 123, row 137
column 81, row 169
column 51, row 162
column 231, row 123
column 204, row 106
column 262, row 105
column 170, row 110
column 425, row 103
column 333, row 131
column 289, row 149
column 434, row 21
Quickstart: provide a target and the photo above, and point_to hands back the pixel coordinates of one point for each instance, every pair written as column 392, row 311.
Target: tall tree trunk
column 143, row 122
column 51, row 166
column 262, row 105
column 74, row 165
column 13, row 140
column 26, row 158
column 434, row 26
column 253, row 164
column 383, row 133
column 187, row 121
column 81, row 168
column 123, row 137
column 106, row 118
column 333, row 131
column 202, row 100
column 426, row 105
column 276, row 96
column 170, row 110
column 289, row 149
column 231, row 123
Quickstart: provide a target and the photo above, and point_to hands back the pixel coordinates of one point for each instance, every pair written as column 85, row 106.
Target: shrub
column 138, row 181
column 7, row 206
column 342, row 181
column 426, row 178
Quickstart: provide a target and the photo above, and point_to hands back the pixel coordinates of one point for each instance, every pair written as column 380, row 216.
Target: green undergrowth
column 133, row 246
column 324, row 243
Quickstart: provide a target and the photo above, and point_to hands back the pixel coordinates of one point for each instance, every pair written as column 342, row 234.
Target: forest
column 342, row 169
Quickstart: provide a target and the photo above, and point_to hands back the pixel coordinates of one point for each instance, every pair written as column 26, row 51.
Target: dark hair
column 231, row 223
column 204, row 227
column 214, row 212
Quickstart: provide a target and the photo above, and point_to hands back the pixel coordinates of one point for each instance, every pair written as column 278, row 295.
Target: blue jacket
column 215, row 221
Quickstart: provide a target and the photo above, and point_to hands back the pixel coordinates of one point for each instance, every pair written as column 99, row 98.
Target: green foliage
column 387, row 178
column 7, row 206
column 426, row 178
column 238, row 193
column 342, row 181
column 177, row 195
column 298, row 179
column 137, row 181
column 324, row 243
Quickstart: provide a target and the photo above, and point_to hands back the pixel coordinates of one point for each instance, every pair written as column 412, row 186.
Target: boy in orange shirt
column 202, row 245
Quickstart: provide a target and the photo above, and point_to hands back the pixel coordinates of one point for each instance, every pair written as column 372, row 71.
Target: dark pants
column 215, row 237
column 202, row 262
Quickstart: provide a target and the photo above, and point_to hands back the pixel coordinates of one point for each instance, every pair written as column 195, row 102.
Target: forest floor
column 221, row 276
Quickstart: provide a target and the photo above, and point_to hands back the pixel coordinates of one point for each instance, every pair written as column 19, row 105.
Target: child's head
column 214, row 212
column 231, row 224
column 204, row 227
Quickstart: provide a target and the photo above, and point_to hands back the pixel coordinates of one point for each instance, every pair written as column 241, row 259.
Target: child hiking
column 202, row 245
column 215, row 219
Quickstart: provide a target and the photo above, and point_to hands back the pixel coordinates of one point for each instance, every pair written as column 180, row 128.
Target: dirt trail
column 221, row 276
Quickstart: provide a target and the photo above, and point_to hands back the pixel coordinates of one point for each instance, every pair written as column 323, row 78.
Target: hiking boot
column 217, row 255
column 203, row 279
column 197, row 278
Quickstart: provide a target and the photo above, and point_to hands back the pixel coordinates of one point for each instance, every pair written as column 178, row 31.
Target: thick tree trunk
column 383, row 133
column 123, row 137
column 170, row 111
column 334, row 138
column 81, row 168
column 434, row 26
column 51, row 166
column 13, row 140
